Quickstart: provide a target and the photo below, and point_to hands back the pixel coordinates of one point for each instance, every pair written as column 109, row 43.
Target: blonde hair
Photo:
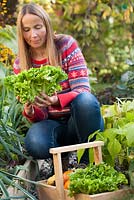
column 23, row 47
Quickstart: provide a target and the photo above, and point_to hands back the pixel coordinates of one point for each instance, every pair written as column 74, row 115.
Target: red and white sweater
column 73, row 63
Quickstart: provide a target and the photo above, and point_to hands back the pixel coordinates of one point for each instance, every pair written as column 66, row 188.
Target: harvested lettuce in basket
column 30, row 83
column 96, row 179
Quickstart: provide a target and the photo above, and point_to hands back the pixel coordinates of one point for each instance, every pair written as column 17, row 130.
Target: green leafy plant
column 11, row 132
column 30, row 83
column 13, row 127
column 126, row 82
column 96, row 179
column 118, row 133
column 117, row 137
column 6, row 179
column 8, row 37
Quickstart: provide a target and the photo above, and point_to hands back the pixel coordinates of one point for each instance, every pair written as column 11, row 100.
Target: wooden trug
column 47, row 192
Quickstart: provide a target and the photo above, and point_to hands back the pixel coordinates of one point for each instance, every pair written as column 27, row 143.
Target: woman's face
column 34, row 31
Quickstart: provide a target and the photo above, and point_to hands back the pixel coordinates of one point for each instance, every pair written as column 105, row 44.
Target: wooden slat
column 115, row 195
column 97, row 155
column 58, row 175
column 49, row 193
column 46, row 192
column 76, row 147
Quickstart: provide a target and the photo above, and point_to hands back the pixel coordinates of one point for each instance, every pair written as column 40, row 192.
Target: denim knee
column 86, row 114
column 86, row 101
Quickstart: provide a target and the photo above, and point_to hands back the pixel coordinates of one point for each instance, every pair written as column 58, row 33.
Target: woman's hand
column 29, row 109
column 44, row 100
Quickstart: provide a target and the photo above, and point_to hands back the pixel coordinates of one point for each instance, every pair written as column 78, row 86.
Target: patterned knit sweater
column 73, row 63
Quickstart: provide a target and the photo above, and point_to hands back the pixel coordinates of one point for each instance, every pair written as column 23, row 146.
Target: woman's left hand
column 44, row 100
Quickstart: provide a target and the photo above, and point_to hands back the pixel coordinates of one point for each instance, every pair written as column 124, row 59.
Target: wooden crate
column 47, row 192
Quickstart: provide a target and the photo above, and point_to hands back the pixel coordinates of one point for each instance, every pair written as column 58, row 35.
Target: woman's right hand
column 29, row 109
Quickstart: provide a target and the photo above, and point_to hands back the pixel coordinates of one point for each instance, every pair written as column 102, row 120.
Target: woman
column 67, row 117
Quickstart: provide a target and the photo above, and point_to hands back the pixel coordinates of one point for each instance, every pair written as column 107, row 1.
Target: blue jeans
column 85, row 118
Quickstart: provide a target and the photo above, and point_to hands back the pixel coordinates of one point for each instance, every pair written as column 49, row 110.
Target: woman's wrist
column 30, row 112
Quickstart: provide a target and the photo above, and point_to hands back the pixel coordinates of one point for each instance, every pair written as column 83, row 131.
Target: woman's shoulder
column 65, row 41
column 64, row 37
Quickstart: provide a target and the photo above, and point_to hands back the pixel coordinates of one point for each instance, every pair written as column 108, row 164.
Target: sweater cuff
column 66, row 98
column 37, row 116
column 27, row 116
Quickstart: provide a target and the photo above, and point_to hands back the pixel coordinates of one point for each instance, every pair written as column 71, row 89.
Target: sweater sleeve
column 39, row 114
column 75, row 66
column 66, row 98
